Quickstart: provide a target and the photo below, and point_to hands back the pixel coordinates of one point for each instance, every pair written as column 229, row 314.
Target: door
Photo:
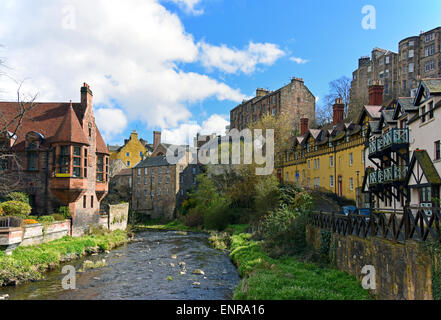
column 340, row 186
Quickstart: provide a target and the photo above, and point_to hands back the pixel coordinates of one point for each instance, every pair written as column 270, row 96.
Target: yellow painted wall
column 130, row 152
column 320, row 166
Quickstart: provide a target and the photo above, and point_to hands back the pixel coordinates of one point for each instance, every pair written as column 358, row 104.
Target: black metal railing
column 419, row 223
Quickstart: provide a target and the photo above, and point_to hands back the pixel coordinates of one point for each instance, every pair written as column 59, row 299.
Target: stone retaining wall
column 403, row 271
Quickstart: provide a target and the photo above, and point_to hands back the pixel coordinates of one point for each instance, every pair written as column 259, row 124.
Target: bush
column 18, row 196
column 267, row 195
column 2, row 212
column 16, row 208
column 46, row 219
column 284, row 232
column 65, row 212
column 58, row 217
column 217, row 216
column 193, row 218
column 30, row 221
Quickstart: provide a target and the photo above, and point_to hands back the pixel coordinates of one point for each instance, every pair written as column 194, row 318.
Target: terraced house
column 62, row 157
column 404, row 151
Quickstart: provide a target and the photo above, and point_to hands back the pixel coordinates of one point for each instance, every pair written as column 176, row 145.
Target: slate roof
column 426, row 164
column 434, row 85
column 124, row 172
column 374, row 111
column 153, row 162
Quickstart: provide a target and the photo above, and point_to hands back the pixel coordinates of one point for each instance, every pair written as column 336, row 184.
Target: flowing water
column 144, row 269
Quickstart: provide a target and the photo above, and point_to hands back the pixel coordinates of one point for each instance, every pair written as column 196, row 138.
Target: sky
column 180, row 66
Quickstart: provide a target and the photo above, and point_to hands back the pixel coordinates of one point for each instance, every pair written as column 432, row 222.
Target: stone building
column 294, row 99
column 418, row 57
column 160, row 187
column 134, row 149
column 63, row 157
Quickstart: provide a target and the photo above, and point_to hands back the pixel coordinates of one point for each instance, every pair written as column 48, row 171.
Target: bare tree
column 10, row 164
column 339, row 88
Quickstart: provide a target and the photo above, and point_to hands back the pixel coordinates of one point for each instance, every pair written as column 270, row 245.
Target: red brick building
column 64, row 159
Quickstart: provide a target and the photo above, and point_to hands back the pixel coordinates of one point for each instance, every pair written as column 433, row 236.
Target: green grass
column 288, row 279
column 29, row 263
column 170, row 226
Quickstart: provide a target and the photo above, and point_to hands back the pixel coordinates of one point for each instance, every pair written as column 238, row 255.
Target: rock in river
column 198, row 271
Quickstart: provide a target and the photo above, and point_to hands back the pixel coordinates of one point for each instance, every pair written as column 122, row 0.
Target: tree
column 10, row 164
column 339, row 88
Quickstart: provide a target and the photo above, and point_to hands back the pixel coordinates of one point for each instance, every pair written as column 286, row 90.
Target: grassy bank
column 29, row 263
column 287, row 278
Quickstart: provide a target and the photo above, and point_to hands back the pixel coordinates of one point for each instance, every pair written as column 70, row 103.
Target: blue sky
column 158, row 64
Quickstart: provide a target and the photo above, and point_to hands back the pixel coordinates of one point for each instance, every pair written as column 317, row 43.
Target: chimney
column 86, row 99
column 156, row 139
column 376, row 95
column 338, row 110
column 261, row 92
column 304, row 126
column 134, row 135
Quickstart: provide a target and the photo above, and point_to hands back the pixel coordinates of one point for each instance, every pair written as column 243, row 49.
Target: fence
column 421, row 224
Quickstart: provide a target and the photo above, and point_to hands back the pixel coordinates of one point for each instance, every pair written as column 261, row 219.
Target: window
column 386, row 88
column 145, row 180
column 318, row 163
column 194, row 171
column 351, row 184
column 159, row 192
column 411, row 53
column 309, row 164
column 369, row 69
column 381, row 75
column 167, row 179
column 430, row 50
column 438, row 150
column 139, row 172
column 331, row 161
column 181, row 168
column 64, row 161
column 146, row 171
column 84, row 201
column 128, row 163
column 429, row 65
column 411, row 67
column 128, row 154
column 287, row 176
column 411, row 43
column 430, row 110
column 387, row 73
column 91, row 201
column 331, row 181
column 304, row 174
column 159, row 171
column 423, row 114
column 32, row 157
column 430, row 37
column 100, row 169
column 351, row 159
column 363, row 157
column 426, row 195
column 274, row 111
column 387, row 60
column 77, row 162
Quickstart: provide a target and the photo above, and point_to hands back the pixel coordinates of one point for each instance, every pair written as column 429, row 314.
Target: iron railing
column 394, row 137
column 388, row 175
column 420, row 224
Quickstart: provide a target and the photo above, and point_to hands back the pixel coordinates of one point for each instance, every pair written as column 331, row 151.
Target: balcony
column 391, row 175
column 390, row 141
column 67, row 189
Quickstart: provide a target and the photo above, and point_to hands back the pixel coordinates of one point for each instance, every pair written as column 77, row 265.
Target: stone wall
column 118, row 216
column 11, row 238
column 403, row 271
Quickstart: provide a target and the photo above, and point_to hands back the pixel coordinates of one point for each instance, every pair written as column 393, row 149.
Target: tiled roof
column 44, row 118
column 153, row 162
column 70, row 129
column 100, row 144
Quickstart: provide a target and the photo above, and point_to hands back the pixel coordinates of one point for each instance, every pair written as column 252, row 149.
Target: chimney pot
column 376, row 95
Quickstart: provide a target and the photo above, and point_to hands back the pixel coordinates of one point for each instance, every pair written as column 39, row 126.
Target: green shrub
column 2, row 212
column 284, row 232
column 267, row 195
column 65, row 212
column 58, row 217
column 193, row 218
column 18, row 196
column 46, row 219
column 16, row 208
column 217, row 216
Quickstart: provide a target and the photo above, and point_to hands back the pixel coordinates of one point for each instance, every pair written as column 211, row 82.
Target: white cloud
column 128, row 52
column 298, row 60
column 232, row 60
column 111, row 122
column 188, row 6
column 186, row 132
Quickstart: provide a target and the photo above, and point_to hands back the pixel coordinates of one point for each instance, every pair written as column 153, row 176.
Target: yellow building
column 331, row 158
column 132, row 152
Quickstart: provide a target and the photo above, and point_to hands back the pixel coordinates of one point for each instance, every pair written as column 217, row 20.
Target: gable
column 421, row 170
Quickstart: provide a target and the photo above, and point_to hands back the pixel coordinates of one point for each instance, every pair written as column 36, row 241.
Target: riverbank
column 264, row 278
column 29, row 263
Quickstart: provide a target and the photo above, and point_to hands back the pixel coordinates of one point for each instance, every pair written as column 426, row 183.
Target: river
column 141, row 270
